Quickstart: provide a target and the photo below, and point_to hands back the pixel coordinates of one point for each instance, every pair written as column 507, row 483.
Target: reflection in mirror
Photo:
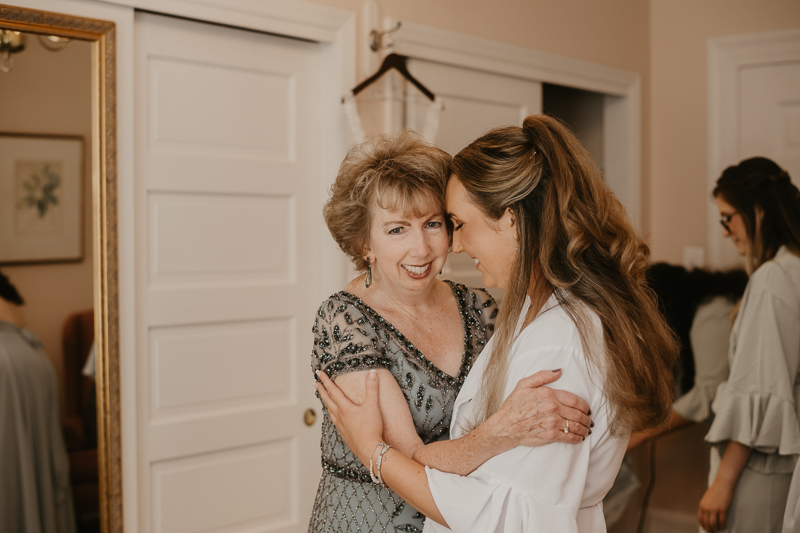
column 46, row 254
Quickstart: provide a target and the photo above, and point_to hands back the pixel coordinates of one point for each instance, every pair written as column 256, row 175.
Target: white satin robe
column 554, row 488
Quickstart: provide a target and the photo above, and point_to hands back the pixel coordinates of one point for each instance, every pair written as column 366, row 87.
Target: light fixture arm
column 11, row 42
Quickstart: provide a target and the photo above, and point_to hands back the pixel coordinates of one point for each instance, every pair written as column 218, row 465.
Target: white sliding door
column 227, row 180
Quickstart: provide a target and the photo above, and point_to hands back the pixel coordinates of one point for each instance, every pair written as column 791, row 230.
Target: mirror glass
column 47, row 237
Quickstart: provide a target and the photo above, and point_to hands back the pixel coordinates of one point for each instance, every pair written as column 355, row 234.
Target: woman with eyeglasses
column 756, row 432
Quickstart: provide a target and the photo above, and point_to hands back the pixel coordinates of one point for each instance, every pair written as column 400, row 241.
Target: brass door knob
column 310, row 417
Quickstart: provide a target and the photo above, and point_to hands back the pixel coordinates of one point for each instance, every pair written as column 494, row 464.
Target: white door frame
column 622, row 110
column 727, row 56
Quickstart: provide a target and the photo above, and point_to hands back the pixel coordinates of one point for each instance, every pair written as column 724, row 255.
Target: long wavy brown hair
column 575, row 239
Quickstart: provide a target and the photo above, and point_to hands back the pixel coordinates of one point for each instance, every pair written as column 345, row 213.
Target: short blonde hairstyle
column 399, row 172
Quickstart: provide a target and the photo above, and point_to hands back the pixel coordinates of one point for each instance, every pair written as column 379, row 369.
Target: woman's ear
column 508, row 220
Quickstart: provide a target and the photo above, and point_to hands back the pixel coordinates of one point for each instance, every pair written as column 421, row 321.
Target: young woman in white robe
column 531, row 208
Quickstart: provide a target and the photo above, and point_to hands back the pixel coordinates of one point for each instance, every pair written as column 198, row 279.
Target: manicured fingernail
column 583, row 438
column 373, row 373
column 556, row 370
column 318, row 372
column 591, row 425
column 590, row 432
column 589, row 413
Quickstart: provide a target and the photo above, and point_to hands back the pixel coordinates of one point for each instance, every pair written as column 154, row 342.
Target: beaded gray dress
column 350, row 336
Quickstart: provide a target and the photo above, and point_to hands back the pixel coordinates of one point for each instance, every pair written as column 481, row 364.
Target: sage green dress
column 349, row 336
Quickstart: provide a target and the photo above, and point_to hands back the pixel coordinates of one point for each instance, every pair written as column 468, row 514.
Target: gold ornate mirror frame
column 104, row 236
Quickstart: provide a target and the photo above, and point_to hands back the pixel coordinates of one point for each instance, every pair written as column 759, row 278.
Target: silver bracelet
column 371, row 474
column 380, row 460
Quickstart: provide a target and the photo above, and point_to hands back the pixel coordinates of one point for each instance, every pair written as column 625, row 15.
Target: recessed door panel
column 216, row 106
column 234, row 490
column 222, row 366
column 207, row 237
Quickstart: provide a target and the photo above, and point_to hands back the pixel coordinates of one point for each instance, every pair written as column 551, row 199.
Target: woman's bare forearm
column 733, row 462
column 640, row 437
column 464, row 455
column 531, row 416
column 410, row 481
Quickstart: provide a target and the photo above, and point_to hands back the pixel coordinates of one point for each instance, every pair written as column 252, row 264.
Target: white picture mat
column 27, row 235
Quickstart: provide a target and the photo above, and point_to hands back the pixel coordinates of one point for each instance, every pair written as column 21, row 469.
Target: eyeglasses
column 726, row 219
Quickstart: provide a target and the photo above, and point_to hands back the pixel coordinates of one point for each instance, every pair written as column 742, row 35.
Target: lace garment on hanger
column 429, row 129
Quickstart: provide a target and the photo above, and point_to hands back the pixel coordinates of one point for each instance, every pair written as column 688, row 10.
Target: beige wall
column 611, row 32
column 50, row 92
column 680, row 30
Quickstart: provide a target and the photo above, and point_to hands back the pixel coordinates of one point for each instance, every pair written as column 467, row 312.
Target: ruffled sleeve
column 757, row 405
column 344, row 340
column 709, row 337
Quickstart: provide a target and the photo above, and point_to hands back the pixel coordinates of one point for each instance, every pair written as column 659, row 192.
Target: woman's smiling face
column 491, row 243
column 407, row 251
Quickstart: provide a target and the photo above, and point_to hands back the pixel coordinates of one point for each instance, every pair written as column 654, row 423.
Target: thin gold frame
column 102, row 34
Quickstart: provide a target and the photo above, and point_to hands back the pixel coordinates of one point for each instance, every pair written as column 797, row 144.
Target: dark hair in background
column 680, row 292
column 8, row 292
column 760, row 183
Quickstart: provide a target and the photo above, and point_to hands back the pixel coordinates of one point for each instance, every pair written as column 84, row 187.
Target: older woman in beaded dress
column 386, row 212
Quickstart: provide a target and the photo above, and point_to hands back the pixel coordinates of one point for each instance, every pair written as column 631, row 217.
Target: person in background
column 756, row 431
column 34, row 469
column 697, row 305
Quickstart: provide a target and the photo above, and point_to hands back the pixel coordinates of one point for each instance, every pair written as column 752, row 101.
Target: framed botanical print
column 41, row 192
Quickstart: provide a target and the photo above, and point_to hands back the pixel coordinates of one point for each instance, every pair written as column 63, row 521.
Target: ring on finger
column 566, row 428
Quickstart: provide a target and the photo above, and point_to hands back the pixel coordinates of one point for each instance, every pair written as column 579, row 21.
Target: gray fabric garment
column 709, row 337
column 34, row 471
column 758, row 405
column 791, row 518
column 759, row 499
column 621, row 493
column 349, row 336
